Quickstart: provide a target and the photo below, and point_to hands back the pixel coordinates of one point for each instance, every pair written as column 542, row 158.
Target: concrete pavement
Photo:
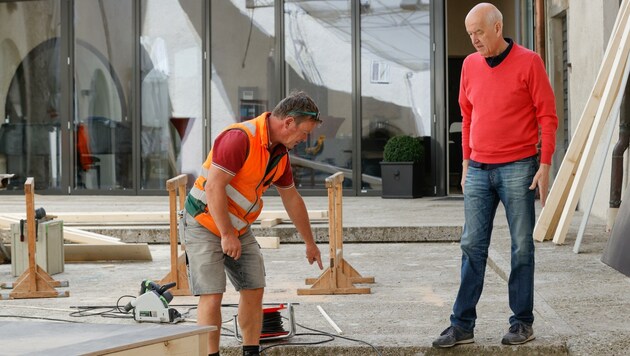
column 581, row 305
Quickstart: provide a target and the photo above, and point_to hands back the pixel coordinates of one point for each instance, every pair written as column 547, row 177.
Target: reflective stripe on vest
column 237, row 222
column 232, row 193
column 251, row 127
column 246, row 188
column 241, row 200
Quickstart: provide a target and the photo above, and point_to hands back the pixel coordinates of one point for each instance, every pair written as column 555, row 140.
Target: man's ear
column 288, row 120
column 498, row 27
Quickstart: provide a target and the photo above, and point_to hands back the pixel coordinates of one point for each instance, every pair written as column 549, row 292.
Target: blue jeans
column 483, row 190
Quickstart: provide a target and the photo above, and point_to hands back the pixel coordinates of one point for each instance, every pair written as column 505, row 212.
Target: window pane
column 242, row 52
column 103, row 58
column 318, row 49
column 171, row 77
column 30, row 92
column 395, row 77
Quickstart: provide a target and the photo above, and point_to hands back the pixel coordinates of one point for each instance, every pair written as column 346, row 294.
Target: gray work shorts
column 207, row 264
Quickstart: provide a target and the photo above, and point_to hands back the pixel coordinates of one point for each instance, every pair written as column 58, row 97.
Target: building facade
column 117, row 96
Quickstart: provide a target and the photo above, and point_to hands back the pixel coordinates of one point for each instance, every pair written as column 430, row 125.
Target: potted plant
column 401, row 168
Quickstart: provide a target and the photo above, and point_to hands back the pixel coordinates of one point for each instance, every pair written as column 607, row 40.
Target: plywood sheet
column 50, row 338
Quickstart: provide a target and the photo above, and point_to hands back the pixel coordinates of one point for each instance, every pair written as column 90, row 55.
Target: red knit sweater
column 504, row 107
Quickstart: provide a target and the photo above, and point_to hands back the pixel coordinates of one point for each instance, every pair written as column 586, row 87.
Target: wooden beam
column 86, row 237
column 140, row 218
column 179, row 271
column 550, row 214
column 103, row 339
column 6, row 221
column 612, row 89
column 106, row 217
column 91, row 252
column 282, row 214
column 271, row 222
column 268, row 241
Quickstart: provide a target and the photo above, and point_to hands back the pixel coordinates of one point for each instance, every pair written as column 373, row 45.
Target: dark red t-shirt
column 230, row 151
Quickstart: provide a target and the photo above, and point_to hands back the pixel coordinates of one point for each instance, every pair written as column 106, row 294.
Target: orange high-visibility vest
column 245, row 190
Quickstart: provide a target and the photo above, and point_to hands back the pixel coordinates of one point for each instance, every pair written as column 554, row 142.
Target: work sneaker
column 519, row 333
column 454, row 335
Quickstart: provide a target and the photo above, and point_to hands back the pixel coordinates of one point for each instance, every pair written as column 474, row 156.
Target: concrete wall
column 589, row 27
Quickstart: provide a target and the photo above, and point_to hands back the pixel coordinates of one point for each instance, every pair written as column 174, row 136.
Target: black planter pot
column 401, row 180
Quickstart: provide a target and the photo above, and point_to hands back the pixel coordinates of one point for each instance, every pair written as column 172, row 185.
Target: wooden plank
column 282, row 214
column 120, row 252
column 189, row 345
column 140, row 218
column 271, row 222
column 6, row 221
column 71, row 234
column 100, row 339
column 603, row 151
column 550, row 214
column 179, row 271
column 268, row 241
column 334, row 180
column 87, row 237
column 176, row 182
column 106, row 217
column 603, row 113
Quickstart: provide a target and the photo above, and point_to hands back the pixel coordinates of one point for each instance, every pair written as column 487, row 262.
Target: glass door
column 30, row 93
column 103, row 73
column 318, row 55
column 171, row 134
column 395, row 80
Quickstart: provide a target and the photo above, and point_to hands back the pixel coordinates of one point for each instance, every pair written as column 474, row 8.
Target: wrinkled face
column 485, row 36
column 296, row 133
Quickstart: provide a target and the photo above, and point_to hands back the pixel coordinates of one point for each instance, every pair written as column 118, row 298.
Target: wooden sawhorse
column 34, row 281
column 179, row 272
column 340, row 277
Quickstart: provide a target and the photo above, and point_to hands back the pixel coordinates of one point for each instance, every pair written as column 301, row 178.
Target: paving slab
column 581, row 305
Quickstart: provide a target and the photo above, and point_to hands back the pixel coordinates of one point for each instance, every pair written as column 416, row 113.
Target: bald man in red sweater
column 505, row 99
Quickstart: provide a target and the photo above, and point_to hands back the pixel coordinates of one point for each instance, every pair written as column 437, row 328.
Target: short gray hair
column 299, row 105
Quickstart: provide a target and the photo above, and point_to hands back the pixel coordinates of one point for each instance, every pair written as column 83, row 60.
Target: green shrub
column 403, row 149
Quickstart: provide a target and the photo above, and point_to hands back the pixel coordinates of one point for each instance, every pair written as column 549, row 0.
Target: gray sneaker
column 519, row 333
column 454, row 335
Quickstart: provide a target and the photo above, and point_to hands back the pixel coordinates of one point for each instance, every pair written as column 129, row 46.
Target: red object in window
column 83, row 148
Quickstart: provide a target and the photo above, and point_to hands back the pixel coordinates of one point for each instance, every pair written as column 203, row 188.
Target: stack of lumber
column 89, row 246
column 602, row 106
